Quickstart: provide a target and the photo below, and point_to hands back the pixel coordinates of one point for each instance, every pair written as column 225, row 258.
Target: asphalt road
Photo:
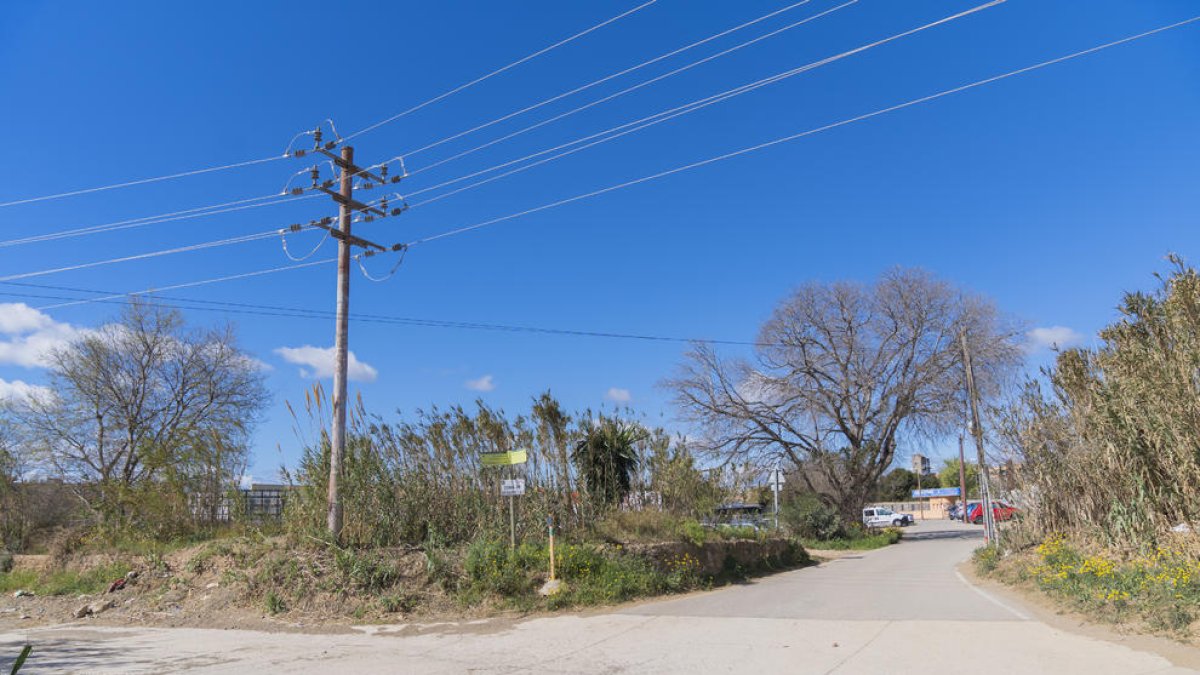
column 903, row 609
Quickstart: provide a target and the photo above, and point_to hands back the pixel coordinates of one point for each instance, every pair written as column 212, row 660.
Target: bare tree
column 147, row 403
column 842, row 374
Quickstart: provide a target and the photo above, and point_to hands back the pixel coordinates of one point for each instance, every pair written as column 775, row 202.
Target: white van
column 881, row 516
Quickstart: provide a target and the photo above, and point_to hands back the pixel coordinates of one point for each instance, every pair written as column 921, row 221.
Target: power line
column 617, row 74
column 142, row 181
column 144, row 256
column 810, row 132
column 186, row 214
column 193, row 284
column 477, row 80
column 859, row 118
column 307, row 313
column 616, row 132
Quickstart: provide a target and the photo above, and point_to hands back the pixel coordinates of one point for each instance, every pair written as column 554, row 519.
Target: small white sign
column 775, row 478
column 512, row 487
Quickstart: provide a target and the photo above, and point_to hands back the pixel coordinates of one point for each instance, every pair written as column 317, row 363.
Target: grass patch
column 63, row 582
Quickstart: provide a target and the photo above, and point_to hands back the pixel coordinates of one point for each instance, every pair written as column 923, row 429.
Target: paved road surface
column 903, row 609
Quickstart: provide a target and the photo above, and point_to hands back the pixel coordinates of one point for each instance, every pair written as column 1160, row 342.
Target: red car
column 1001, row 510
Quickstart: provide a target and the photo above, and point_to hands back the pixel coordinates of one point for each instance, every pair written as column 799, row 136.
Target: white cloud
column 17, row 318
column 318, row 363
column 619, row 395
column 17, row 390
column 31, row 336
column 485, row 383
column 1052, row 337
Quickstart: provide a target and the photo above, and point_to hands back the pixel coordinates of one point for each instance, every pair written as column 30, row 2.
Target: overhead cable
column 309, row 313
column 498, row 71
column 141, row 181
column 618, row 131
column 810, row 132
column 186, row 214
column 851, row 120
column 617, row 74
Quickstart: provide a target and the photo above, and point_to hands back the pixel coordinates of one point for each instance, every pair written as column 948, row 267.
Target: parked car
column 881, row 516
column 956, row 510
column 738, row 515
column 1001, row 511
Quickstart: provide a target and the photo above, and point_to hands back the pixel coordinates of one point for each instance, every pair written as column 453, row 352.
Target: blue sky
column 1051, row 192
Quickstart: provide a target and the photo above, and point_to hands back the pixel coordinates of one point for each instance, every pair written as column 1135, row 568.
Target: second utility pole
column 337, row 440
column 991, row 535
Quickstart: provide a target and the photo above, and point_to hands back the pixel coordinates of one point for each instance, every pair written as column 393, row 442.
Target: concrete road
column 903, row 609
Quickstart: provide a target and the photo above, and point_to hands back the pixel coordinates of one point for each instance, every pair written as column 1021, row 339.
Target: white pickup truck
column 880, row 516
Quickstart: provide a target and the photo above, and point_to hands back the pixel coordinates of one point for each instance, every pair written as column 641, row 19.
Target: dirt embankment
column 267, row 585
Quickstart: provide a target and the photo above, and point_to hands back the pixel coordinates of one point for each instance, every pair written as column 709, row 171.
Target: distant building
column 920, row 465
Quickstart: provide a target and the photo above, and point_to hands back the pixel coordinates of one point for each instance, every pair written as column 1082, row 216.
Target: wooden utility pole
column 962, row 480
column 989, row 521
column 337, row 448
column 347, row 206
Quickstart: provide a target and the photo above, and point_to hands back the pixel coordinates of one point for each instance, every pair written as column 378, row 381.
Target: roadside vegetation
column 146, row 432
column 1108, row 468
column 818, row 526
column 148, row 485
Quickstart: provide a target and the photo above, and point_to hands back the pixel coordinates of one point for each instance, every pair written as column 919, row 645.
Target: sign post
column 511, row 488
column 777, row 480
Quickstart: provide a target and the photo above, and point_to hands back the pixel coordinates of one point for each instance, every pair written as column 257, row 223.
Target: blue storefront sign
column 935, row 492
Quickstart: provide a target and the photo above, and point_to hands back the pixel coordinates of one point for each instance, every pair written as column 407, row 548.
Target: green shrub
column 491, row 566
column 6, row 562
column 809, row 519
column 693, row 532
